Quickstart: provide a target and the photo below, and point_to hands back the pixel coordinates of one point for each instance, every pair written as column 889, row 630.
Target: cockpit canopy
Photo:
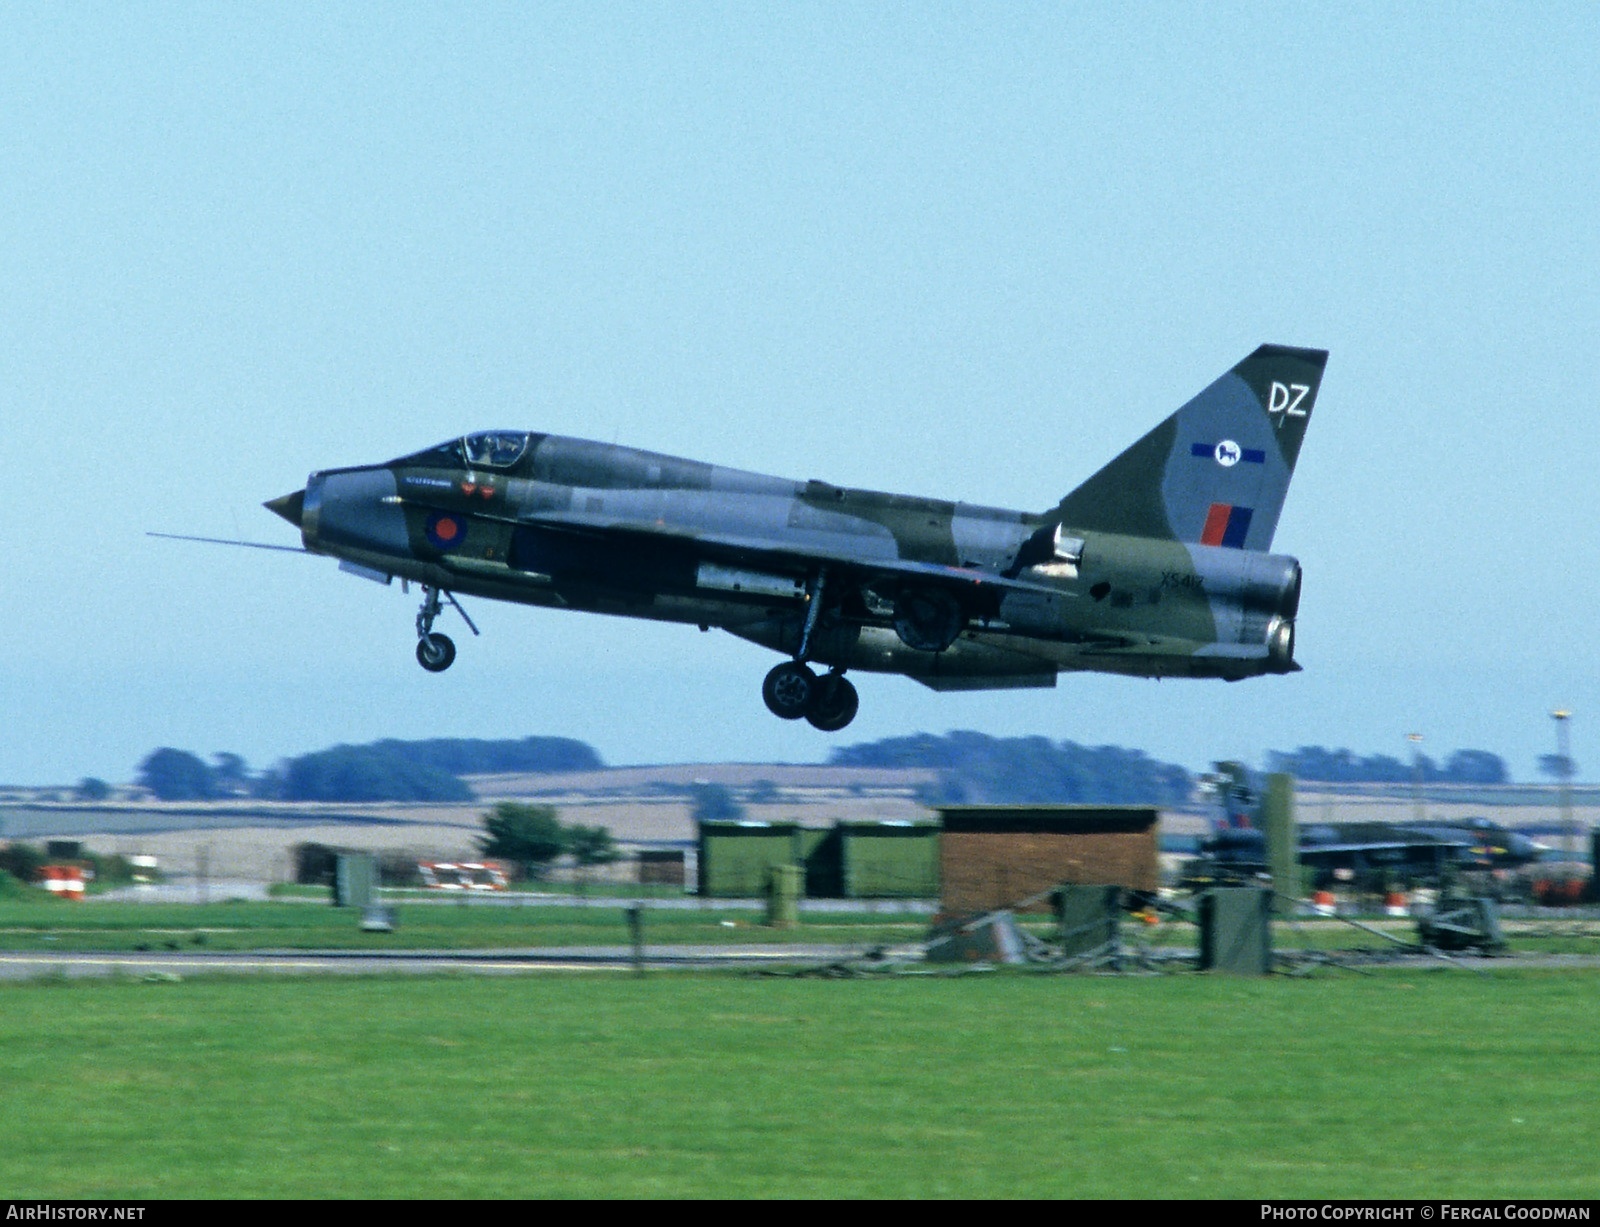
column 495, row 449
column 488, row 449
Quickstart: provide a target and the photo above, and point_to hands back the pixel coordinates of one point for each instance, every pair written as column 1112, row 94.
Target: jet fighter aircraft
column 1157, row 566
column 1423, row 852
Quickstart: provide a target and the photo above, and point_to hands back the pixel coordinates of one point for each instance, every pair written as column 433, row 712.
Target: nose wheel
column 793, row 692
column 436, row 652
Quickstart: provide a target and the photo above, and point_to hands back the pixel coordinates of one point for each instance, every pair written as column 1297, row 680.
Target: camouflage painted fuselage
column 1157, row 566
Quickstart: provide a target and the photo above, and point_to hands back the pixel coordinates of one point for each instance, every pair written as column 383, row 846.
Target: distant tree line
column 973, row 768
column 387, row 770
column 360, row 773
column 1558, row 766
column 711, row 802
column 976, row 769
column 177, row 775
column 531, row 836
column 1320, row 764
column 473, row 756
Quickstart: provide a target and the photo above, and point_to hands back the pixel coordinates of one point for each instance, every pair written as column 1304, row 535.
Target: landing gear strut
column 792, row 691
column 437, row 652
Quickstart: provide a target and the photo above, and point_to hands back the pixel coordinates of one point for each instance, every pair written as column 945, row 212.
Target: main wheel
column 834, row 703
column 787, row 690
column 435, row 652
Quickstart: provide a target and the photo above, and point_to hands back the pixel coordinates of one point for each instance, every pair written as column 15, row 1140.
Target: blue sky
column 967, row 251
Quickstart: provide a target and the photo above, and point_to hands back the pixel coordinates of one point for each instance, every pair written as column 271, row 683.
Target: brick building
column 991, row 856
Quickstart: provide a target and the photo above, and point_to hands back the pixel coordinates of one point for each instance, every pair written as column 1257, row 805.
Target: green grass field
column 1412, row 1084
column 60, row 925
column 53, row 925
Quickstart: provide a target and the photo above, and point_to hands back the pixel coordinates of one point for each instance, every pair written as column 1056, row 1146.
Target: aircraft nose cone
column 290, row 506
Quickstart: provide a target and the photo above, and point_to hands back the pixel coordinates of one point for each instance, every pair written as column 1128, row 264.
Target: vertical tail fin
column 1217, row 470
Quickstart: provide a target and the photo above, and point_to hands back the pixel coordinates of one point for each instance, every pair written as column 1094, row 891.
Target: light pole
column 1416, row 777
column 1569, row 830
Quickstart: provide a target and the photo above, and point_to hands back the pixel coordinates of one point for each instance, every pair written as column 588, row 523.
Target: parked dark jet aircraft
column 1420, row 851
column 1157, row 566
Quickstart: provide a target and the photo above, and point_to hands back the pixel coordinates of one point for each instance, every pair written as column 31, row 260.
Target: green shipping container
column 736, row 858
column 889, row 860
column 852, row 860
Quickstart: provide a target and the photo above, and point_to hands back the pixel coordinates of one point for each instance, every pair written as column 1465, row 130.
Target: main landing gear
column 437, row 652
column 792, row 690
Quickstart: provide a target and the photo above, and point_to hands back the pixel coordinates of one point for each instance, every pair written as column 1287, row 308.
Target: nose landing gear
column 437, row 652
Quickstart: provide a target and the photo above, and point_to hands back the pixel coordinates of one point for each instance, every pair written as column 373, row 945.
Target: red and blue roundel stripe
column 1226, row 525
column 446, row 531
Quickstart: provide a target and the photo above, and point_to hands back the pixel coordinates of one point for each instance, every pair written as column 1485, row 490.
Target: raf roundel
column 445, row 531
column 1227, row 453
